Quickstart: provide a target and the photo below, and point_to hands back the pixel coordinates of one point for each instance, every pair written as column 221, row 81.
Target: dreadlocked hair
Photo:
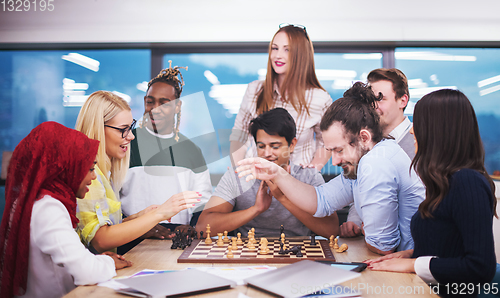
column 171, row 76
column 356, row 110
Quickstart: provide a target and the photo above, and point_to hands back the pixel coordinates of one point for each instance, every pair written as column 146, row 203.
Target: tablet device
column 351, row 266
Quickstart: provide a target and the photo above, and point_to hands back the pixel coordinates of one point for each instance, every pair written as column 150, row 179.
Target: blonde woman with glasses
column 108, row 118
column 290, row 83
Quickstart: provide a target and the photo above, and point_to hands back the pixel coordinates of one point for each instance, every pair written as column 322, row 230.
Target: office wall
column 145, row 21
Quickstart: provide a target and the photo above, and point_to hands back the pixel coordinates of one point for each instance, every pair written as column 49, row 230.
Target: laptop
column 174, row 283
column 300, row 279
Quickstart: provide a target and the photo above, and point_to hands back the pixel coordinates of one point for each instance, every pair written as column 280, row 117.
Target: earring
column 177, row 126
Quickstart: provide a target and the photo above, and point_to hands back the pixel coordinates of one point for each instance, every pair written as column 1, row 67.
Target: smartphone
column 352, row 266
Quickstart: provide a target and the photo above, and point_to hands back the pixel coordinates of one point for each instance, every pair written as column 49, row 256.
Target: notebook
column 300, row 279
column 174, row 283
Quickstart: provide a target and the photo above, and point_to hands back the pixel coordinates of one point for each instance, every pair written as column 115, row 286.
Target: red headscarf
column 51, row 160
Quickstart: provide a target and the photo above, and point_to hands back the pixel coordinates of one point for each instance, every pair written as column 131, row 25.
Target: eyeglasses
column 125, row 131
column 295, row 26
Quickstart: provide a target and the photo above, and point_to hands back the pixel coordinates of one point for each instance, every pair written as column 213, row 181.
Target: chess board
column 199, row 252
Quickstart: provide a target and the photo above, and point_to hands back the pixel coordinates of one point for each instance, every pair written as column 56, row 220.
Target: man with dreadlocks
column 164, row 162
column 376, row 174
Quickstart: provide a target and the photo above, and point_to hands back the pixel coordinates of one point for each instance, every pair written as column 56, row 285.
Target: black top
column 154, row 151
column 460, row 234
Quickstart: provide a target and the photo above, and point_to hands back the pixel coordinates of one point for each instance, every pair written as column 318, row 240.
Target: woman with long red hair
column 290, row 83
column 40, row 253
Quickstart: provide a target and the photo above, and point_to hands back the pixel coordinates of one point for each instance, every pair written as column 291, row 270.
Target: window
column 222, row 79
column 475, row 72
column 37, row 86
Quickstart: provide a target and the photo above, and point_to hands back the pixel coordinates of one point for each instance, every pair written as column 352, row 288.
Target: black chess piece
column 176, row 241
column 294, row 250
column 201, row 234
column 282, row 251
column 183, row 240
column 313, row 239
column 299, row 252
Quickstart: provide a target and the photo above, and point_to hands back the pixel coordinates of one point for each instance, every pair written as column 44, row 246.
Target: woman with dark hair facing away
column 290, row 83
column 452, row 228
column 40, row 253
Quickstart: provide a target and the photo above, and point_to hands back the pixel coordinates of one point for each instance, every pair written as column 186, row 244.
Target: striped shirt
column 307, row 125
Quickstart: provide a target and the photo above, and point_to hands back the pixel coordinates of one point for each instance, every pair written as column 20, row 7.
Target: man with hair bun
column 390, row 86
column 376, row 176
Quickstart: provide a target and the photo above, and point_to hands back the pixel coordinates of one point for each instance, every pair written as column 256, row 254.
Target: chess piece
column 250, row 245
column 239, row 239
column 313, row 239
column 208, row 240
column 293, row 250
column 263, row 246
column 229, row 252
column 342, row 248
column 176, row 240
column 299, row 253
column 184, row 240
column 282, row 249
column 251, row 237
column 220, row 242
column 226, row 239
column 336, row 243
column 331, row 241
column 201, row 234
column 234, row 245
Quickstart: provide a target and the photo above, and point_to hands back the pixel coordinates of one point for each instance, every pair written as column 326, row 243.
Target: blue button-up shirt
column 386, row 194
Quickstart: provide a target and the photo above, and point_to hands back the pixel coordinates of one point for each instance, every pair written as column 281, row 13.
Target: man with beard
column 391, row 88
column 376, row 174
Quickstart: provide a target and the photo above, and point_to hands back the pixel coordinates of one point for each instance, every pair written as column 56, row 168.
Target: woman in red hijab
column 40, row 253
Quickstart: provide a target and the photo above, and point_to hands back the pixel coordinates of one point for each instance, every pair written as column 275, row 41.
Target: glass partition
column 475, row 72
column 223, row 78
column 38, row 86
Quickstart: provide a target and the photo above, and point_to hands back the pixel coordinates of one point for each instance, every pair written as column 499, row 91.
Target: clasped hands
column 259, row 168
column 267, row 190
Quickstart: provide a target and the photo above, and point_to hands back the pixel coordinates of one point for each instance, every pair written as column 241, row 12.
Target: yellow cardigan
column 99, row 207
